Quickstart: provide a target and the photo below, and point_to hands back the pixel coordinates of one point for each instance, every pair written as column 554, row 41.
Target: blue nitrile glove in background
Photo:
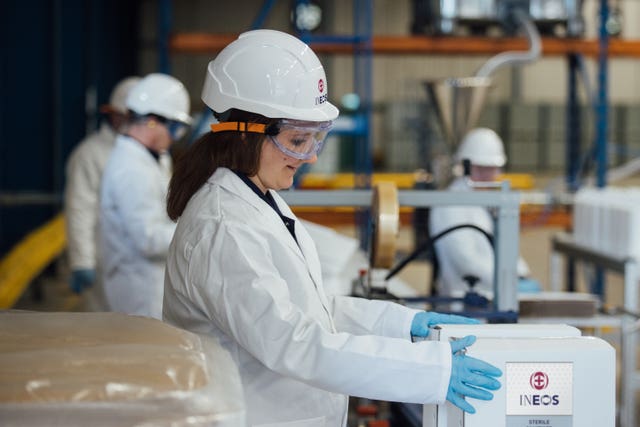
column 425, row 319
column 81, row 280
column 528, row 286
column 470, row 377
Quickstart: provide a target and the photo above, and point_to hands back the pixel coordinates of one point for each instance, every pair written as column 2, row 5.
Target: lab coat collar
column 106, row 132
column 135, row 147
column 268, row 197
column 305, row 248
column 228, row 180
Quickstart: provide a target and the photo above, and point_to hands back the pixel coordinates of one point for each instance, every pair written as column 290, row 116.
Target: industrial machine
column 383, row 266
column 384, row 201
column 457, row 102
column 552, row 376
column 448, row 17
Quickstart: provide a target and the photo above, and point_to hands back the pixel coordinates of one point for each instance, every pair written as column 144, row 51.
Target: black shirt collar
column 268, row 198
column 155, row 154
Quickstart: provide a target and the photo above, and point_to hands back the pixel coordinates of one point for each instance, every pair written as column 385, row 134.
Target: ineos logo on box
column 544, row 388
column 539, row 380
column 539, row 400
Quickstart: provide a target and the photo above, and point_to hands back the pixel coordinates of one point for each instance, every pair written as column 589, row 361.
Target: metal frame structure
column 505, row 202
column 564, row 245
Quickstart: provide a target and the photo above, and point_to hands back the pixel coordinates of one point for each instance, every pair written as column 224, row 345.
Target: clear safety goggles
column 176, row 128
column 298, row 139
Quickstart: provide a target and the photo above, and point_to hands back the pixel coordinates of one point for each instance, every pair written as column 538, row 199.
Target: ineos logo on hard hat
column 321, row 85
column 539, row 380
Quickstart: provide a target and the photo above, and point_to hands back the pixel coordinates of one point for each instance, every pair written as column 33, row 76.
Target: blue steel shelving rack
column 574, row 155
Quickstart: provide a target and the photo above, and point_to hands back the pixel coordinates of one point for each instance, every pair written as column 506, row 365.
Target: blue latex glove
column 470, row 377
column 81, row 280
column 425, row 319
column 528, row 285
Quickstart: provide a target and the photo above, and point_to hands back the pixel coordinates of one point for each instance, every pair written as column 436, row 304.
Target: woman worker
column 242, row 268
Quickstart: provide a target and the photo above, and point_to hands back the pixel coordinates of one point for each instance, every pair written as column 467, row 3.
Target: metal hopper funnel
column 457, row 103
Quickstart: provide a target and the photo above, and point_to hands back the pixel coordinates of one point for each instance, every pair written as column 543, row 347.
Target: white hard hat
column 483, row 147
column 162, row 95
column 118, row 98
column 270, row 73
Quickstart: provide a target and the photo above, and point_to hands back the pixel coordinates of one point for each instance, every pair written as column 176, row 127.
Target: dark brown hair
column 233, row 150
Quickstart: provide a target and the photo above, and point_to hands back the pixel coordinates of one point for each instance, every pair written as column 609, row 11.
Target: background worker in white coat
column 82, row 192
column 242, row 267
column 466, row 251
column 135, row 230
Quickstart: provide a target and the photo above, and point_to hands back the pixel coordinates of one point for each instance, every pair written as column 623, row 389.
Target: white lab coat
column 235, row 272
column 135, row 230
column 465, row 251
column 82, row 195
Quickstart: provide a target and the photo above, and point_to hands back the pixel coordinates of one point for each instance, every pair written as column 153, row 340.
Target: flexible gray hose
column 515, row 57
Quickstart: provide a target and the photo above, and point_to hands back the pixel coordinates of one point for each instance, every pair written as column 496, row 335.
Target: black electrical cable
column 430, row 242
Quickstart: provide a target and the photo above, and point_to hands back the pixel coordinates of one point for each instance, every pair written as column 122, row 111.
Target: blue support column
column 572, row 154
column 165, row 12
column 363, row 25
column 602, row 122
column 574, row 126
column 258, row 22
column 363, row 22
column 363, row 53
column 603, row 101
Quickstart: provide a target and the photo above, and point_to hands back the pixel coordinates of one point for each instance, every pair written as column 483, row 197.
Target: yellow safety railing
column 28, row 258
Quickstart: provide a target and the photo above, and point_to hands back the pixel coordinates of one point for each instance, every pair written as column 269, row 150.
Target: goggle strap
column 239, row 127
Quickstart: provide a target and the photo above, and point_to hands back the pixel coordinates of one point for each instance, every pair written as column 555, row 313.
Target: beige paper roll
column 386, row 220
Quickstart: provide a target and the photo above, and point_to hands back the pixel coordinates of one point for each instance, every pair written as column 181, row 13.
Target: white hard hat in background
column 162, row 95
column 483, row 147
column 270, row 73
column 118, row 98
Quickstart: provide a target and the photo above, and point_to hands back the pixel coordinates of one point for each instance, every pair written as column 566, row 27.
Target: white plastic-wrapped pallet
column 584, row 216
column 111, row 369
column 608, row 220
column 633, row 241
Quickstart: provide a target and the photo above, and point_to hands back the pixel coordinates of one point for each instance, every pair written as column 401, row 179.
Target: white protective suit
column 466, row 251
column 82, row 195
column 235, row 272
column 135, row 230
